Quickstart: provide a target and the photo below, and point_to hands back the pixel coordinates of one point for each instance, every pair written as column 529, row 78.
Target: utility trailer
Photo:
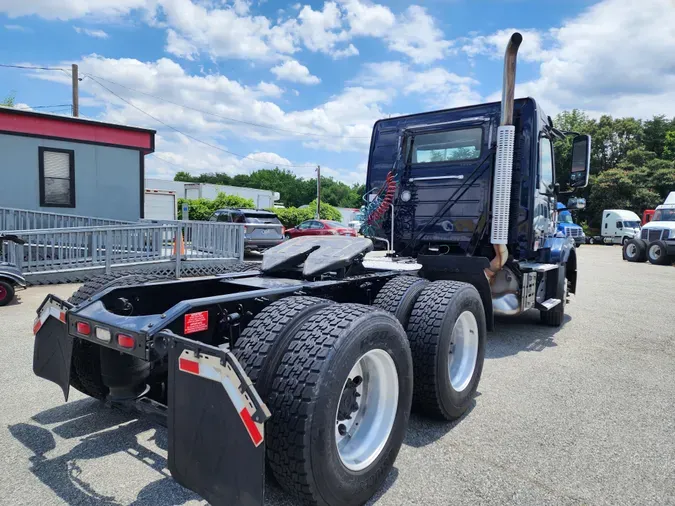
column 309, row 364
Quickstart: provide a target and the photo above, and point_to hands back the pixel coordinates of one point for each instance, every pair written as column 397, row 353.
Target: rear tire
column 315, row 390
column 398, row 296
column 264, row 341
column 447, row 333
column 635, row 250
column 656, row 253
column 6, row 293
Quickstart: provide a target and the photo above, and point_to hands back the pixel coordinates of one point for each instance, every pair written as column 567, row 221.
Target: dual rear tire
column 340, row 380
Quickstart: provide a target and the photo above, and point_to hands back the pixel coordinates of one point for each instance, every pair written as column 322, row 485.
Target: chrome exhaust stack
column 506, row 136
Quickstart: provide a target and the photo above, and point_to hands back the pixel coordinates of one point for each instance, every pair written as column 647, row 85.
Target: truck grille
column 573, row 232
column 655, row 234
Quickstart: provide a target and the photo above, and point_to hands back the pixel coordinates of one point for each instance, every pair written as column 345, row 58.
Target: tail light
column 283, row 230
column 83, row 328
column 126, row 341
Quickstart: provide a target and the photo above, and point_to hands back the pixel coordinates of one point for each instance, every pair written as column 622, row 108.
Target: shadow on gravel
column 521, row 333
column 103, row 431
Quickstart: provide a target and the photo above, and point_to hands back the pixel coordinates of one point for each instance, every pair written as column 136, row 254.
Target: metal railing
column 24, row 219
column 104, row 247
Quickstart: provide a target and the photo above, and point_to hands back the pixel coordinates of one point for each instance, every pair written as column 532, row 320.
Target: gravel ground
column 579, row 415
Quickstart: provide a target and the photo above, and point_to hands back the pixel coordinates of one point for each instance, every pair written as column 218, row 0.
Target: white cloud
column 98, row 34
column 350, row 50
column 73, row 9
column 494, row 45
column 223, row 108
column 417, row 36
column 293, row 71
column 18, row 28
column 369, row 19
column 230, row 30
column 436, row 87
column 615, row 57
column 179, row 46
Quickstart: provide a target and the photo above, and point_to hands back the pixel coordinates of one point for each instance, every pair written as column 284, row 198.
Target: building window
column 57, row 177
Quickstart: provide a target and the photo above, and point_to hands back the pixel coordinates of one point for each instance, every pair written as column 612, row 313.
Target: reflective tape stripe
column 209, row 367
column 256, row 435
column 46, row 313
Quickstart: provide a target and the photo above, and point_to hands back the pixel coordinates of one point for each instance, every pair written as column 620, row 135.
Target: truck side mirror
column 574, row 204
column 581, row 161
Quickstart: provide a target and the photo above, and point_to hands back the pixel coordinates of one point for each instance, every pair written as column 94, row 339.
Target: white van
column 618, row 226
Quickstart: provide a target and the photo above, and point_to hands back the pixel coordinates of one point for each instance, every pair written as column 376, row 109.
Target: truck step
column 537, row 267
column 550, row 303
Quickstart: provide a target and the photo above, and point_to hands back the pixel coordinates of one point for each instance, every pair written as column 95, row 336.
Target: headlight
column 406, row 195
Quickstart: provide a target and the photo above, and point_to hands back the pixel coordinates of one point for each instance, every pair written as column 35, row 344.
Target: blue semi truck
column 567, row 227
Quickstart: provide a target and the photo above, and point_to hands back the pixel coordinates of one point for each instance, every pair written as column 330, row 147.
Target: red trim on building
column 75, row 129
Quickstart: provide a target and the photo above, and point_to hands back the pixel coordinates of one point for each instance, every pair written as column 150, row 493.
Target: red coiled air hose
column 389, row 188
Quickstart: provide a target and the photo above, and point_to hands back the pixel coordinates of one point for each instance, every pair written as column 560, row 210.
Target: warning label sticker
column 196, row 322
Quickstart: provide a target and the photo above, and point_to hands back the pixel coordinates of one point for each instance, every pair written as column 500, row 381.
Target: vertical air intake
column 501, row 195
column 503, row 170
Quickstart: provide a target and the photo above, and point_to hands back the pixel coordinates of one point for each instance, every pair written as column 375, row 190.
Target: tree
column 669, row 145
column 9, row 100
column 655, row 131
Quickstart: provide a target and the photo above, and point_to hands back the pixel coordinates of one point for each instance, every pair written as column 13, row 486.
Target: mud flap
column 216, row 425
column 53, row 348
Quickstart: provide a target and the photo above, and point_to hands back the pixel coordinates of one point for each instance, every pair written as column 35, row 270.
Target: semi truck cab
column 567, row 228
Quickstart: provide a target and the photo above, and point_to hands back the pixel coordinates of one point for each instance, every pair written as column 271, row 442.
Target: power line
column 250, row 123
column 243, row 157
column 55, row 106
column 30, row 67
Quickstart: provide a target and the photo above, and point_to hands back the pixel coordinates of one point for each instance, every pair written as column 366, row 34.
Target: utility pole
column 76, row 91
column 318, row 192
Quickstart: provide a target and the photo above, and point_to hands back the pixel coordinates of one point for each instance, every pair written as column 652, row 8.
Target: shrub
column 202, row 209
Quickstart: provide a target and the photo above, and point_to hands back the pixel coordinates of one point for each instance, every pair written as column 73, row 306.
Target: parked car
column 320, row 227
column 258, row 234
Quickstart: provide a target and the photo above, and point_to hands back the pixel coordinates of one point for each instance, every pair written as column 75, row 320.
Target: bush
column 202, row 209
column 292, row 216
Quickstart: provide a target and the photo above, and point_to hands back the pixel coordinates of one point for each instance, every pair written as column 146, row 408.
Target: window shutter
column 56, row 174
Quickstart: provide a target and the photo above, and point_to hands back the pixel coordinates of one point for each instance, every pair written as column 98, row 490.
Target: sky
column 237, row 85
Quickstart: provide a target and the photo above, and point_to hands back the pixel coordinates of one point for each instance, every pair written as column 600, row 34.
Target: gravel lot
column 580, row 415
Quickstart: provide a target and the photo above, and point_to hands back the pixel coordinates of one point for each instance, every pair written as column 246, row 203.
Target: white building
column 262, row 199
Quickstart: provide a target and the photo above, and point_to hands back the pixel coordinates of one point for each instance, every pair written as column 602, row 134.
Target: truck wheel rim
column 655, row 252
column 367, row 410
column 631, row 250
column 463, row 351
column 3, row 293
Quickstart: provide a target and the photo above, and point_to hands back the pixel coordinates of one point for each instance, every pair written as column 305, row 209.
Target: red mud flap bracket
column 216, row 425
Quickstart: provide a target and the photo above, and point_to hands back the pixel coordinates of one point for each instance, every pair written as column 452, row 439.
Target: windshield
column 631, row 224
column 261, row 218
column 565, row 218
column 664, row 215
column 450, row 146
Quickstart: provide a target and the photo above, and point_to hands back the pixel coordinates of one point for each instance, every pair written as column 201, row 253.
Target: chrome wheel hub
column 463, row 351
column 366, row 410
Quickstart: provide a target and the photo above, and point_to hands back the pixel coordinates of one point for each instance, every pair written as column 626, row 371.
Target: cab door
column 544, row 222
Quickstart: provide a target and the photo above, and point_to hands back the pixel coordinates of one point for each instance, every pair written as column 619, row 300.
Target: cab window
column 619, row 224
column 546, row 161
column 450, row 146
